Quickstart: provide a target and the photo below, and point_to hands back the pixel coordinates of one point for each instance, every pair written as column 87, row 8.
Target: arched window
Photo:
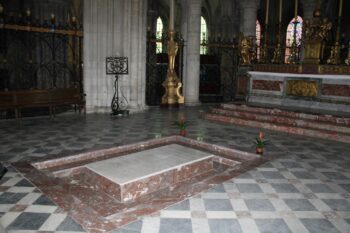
column 159, row 33
column 290, row 35
column 204, row 36
column 258, row 39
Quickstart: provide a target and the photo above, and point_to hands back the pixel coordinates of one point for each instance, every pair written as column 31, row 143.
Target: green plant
column 260, row 142
column 181, row 123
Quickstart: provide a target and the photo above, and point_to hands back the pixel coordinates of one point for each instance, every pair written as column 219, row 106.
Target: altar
column 311, row 92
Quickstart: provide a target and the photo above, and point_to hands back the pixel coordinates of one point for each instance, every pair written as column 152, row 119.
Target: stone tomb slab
column 89, row 190
column 131, row 176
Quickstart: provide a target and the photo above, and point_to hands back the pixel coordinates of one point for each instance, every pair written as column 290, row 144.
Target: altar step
column 320, row 126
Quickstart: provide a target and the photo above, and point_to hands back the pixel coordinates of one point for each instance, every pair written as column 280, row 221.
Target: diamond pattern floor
column 305, row 188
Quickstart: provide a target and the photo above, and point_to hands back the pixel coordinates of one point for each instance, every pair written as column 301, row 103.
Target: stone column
column 192, row 47
column 184, row 23
column 114, row 28
column 248, row 28
column 308, row 8
column 249, row 10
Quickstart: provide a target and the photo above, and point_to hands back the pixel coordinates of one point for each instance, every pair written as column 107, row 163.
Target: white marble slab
column 279, row 75
column 139, row 165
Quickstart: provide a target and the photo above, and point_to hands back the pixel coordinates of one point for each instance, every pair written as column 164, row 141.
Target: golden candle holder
column 277, row 54
column 293, row 57
column 334, row 58
column 347, row 60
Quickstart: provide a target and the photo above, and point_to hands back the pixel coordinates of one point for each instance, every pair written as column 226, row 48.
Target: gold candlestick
column 293, row 57
column 172, row 15
column 267, row 12
column 264, row 49
column 347, row 60
column 280, row 12
column 334, row 58
column 277, row 54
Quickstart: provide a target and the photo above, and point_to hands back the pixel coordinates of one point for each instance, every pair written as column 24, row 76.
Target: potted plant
column 260, row 143
column 182, row 124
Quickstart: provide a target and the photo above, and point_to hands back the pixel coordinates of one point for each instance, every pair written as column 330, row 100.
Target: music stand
column 117, row 66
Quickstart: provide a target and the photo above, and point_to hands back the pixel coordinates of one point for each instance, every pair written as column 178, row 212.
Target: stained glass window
column 290, row 35
column 204, row 36
column 159, row 32
column 258, row 39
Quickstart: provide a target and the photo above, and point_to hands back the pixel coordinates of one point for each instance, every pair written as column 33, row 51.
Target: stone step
column 298, row 115
column 276, row 119
column 278, row 127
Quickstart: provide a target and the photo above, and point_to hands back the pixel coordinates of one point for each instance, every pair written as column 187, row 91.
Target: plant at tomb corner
column 260, row 143
column 182, row 125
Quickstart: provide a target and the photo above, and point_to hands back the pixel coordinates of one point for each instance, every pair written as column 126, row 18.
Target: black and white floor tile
column 304, row 189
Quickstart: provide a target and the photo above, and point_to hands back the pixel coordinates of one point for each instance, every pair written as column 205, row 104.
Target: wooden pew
column 32, row 99
column 51, row 98
column 71, row 96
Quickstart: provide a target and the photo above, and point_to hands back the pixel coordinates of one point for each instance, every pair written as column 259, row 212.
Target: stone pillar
column 114, row 28
column 248, row 18
column 184, row 22
column 308, row 8
column 249, row 10
column 192, row 47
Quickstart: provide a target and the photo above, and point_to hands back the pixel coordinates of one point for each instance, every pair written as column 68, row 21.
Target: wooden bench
column 51, row 98
column 71, row 96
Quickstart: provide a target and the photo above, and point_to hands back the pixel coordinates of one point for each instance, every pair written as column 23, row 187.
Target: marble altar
column 313, row 92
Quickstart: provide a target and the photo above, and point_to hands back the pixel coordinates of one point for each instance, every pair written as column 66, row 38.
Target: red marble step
column 277, row 127
column 280, row 112
column 305, row 123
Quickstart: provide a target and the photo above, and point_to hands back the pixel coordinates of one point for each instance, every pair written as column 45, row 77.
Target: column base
column 192, row 104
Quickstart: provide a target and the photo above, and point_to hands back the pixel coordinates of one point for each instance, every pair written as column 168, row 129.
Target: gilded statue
column 172, row 84
column 317, row 29
column 246, row 50
column 172, row 51
column 325, row 27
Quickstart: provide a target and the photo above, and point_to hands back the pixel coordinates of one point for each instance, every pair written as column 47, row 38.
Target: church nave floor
column 304, row 188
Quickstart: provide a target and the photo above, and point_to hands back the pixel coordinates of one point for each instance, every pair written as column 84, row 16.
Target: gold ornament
column 172, row 84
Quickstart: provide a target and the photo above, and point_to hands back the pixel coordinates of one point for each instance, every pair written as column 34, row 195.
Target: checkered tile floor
column 305, row 189
column 23, row 207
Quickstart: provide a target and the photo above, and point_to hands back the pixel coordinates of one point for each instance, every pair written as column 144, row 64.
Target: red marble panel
column 336, row 90
column 276, row 127
column 228, row 162
column 291, row 114
column 306, row 123
column 267, row 85
column 86, row 176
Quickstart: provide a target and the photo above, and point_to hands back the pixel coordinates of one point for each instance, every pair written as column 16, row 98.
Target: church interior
column 175, row 116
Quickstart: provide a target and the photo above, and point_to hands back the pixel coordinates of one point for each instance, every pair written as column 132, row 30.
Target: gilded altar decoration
column 246, row 49
column 277, row 55
column 315, row 33
column 172, row 84
column 347, row 60
column 302, row 88
column 334, row 58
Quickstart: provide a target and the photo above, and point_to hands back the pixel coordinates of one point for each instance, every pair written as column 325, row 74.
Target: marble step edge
column 281, row 128
column 280, row 112
column 305, row 123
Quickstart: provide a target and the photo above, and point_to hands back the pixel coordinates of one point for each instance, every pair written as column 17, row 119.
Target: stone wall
column 114, row 28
